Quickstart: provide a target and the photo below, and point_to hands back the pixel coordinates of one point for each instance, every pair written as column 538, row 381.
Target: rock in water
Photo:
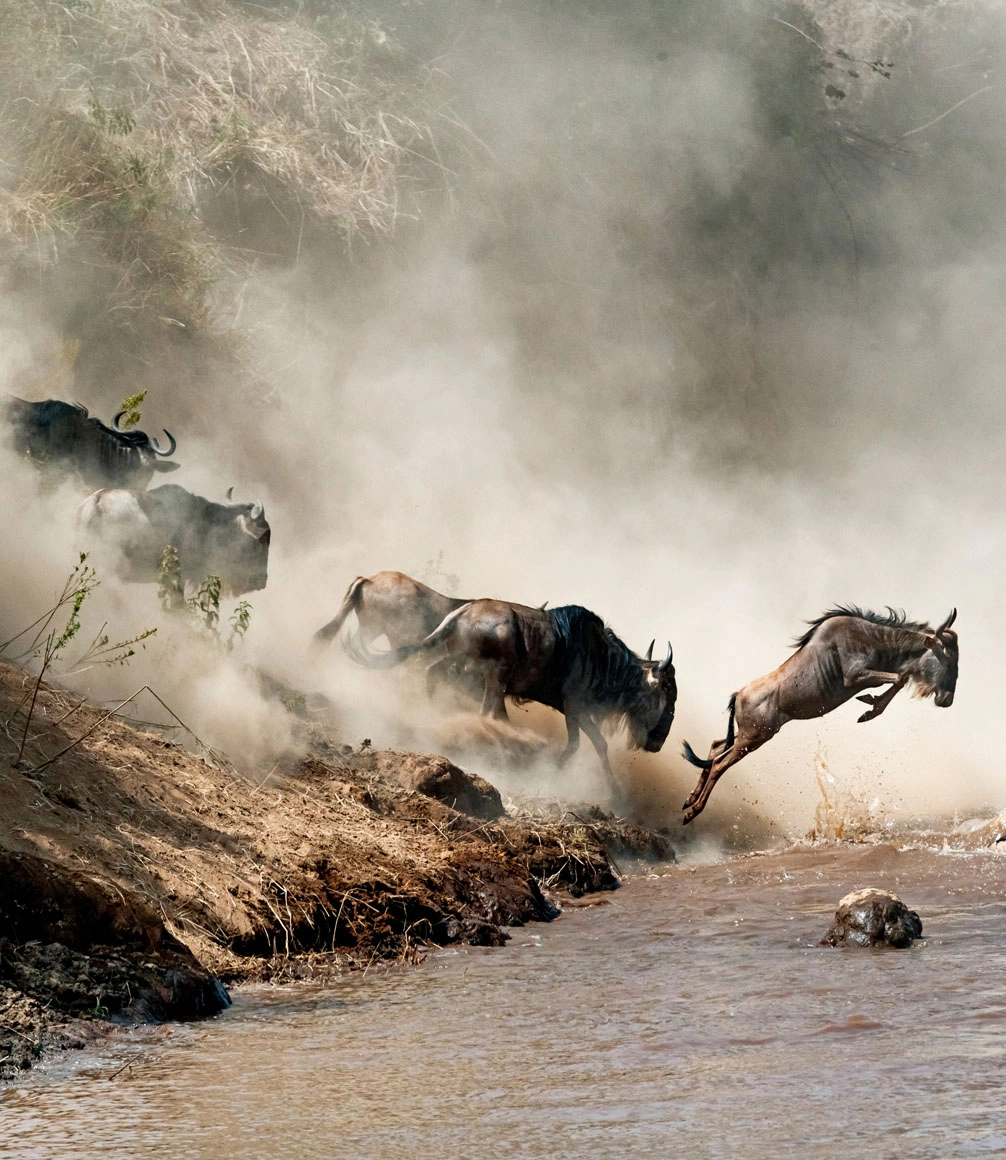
column 870, row 917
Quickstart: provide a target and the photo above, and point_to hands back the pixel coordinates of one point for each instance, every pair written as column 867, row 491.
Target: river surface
column 691, row 1014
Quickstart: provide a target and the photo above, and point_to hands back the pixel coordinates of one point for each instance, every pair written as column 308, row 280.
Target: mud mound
column 436, row 777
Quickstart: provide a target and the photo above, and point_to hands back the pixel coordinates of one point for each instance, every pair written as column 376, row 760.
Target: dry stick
column 129, row 1063
column 111, row 713
column 34, row 696
column 935, row 120
column 7, row 1027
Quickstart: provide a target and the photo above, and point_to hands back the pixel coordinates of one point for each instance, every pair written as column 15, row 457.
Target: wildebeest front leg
column 596, row 738
column 880, row 703
column 572, row 739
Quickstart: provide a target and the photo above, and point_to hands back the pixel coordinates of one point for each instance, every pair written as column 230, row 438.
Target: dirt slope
column 135, row 875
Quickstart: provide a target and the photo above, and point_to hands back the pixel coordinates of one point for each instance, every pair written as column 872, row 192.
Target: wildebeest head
column 247, row 553
column 936, row 672
column 650, row 719
column 152, row 456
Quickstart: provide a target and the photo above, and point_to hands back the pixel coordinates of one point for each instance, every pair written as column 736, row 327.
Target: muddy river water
column 690, row 1014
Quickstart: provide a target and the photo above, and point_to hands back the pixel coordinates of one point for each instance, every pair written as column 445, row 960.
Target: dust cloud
column 695, row 343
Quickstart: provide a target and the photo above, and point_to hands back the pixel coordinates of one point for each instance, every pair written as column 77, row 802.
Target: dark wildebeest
column 844, row 652
column 230, row 540
column 61, row 435
column 390, row 604
column 566, row 658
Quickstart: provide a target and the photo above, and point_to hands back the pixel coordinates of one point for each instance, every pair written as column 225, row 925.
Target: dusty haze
column 690, row 344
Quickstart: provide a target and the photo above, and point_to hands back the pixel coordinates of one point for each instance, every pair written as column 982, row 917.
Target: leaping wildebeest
column 566, row 658
column 843, row 653
column 63, row 436
column 390, row 604
column 230, row 540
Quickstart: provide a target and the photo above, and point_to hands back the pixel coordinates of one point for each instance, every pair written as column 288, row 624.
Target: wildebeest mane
column 893, row 618
column 608, row 669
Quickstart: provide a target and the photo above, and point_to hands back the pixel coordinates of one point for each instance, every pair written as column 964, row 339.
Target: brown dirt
column 135, row 874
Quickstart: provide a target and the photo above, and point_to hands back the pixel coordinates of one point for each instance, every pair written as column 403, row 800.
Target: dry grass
column 140, row 133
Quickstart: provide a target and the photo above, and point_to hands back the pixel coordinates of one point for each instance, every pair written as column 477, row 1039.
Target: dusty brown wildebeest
column 844, row 652
column 394, row 605
column 566, row 658
column 390, row 604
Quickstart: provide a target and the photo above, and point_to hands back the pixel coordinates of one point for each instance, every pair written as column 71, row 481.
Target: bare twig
column 936, row 120
column 129, row 1063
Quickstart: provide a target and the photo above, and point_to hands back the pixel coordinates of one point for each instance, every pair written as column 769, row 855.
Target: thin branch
column 936, row 120
column 111, row 713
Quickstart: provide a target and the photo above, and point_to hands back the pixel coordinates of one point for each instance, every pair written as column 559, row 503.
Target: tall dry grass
column 162, row 144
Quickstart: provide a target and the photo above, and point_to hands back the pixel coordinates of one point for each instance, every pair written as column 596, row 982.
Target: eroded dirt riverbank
column 137, row 880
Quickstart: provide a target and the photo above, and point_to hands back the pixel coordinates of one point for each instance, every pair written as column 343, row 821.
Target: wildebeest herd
column 566, row 658
column 231, row 539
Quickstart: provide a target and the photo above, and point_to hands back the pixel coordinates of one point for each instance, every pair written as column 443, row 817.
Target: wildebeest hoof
column 873, row 917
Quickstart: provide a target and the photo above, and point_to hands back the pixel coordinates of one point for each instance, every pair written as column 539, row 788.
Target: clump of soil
column 137, row 880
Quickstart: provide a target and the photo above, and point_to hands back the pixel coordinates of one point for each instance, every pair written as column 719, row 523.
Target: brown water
column 690, row 1015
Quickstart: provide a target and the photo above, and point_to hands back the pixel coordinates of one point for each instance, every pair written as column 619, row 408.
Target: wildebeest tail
column 731, row 705
column 349, row 604
column 707, row 763
column 386, row 660
column 691, row 756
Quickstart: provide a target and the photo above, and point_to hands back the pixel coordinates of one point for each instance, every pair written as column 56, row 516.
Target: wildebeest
column 390, row 604
column 230, row 540
column 62, row 435
column 566, row 658
column 842, row 653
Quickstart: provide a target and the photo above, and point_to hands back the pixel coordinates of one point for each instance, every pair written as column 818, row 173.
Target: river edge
column 139, row 880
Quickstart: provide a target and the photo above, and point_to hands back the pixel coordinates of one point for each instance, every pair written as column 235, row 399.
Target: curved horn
column 257, row 511
column 154, row 445
column 948, row 622
column 115, row 419
column 665, row 663
column 649, row 651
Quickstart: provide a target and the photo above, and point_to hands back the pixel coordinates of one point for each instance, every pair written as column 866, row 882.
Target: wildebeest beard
column 593, row 666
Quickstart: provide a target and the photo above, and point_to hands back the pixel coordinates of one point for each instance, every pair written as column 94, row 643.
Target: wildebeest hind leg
column 716, row 751
column 745, row 742
column 437, row 672
column 494, row 698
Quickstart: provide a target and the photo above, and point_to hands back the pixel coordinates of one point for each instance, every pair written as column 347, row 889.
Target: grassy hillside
column 154, row 153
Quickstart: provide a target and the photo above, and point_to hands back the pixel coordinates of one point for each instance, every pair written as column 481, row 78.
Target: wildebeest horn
column 154, row 445
column 948, row 622
column 667, row 659
column 649, row 651
column 230, row 494
column 115, row 419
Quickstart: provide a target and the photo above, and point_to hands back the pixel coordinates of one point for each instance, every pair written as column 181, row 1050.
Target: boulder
column 871, row 917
